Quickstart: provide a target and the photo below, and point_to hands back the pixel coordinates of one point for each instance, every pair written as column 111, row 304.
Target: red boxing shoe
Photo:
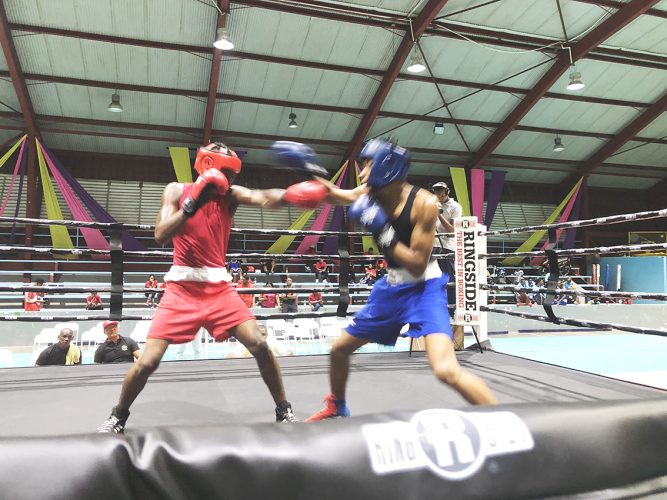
column 335, row 408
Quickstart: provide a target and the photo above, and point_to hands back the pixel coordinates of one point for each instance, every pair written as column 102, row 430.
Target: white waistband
column 399, row 276
column 205, row 274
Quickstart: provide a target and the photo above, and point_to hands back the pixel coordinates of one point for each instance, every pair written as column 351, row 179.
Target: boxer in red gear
column 198, row 219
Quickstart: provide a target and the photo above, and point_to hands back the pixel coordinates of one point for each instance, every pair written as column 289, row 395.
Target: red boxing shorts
column 186, row 306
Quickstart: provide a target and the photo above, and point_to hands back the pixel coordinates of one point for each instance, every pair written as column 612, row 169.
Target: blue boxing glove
column 298, row 156
column 370, row 214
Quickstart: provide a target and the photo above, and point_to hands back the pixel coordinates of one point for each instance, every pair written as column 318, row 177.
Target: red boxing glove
column 209, row 179
column 307, row 194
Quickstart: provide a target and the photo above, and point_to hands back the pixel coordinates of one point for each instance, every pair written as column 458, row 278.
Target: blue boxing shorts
column 422, row 305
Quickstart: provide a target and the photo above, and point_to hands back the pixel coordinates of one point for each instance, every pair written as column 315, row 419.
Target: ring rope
column 580, row 293
column 63, row 290
column 162, row 253
column 130, row 317
column 614, row 219
column 582, row 251
column 575, row 322
column 158, row 253
column 149, row 227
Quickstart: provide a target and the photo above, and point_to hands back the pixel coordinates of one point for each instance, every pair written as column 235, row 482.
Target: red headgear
column 217, row 155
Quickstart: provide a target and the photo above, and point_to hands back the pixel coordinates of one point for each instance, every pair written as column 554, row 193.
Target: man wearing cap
column 443, row 245
column 116, row 349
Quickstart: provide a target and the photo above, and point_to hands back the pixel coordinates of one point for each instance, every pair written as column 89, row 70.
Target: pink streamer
column 536, row 261
column 319, row 222
column 94, row 237
column 477, row 182
column 14, row 175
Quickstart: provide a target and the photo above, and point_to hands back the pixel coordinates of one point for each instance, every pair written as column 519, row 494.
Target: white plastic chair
column 278, row 328
column 140, row 332
column 305, row 328
column 48, row 336
column 330, row 332
column 92, row 335
column 329, row 321
column 6, row 358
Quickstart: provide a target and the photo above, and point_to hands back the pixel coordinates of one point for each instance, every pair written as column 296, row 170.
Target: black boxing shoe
column 115, row 424
column 284, row 413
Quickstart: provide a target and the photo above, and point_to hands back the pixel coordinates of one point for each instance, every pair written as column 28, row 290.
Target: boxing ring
column 199, row 428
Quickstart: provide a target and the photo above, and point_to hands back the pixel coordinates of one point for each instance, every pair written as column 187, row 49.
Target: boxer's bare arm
column 264, row 198
column 170, row 218
column 338, row 196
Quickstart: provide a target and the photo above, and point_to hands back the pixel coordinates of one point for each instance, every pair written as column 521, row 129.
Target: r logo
column 451, row 442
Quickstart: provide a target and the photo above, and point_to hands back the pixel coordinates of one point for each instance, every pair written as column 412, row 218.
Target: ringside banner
column 467, row 271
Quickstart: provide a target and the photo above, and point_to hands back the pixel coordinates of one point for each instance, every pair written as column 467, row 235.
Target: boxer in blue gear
column 401, row 218
column 390, row 162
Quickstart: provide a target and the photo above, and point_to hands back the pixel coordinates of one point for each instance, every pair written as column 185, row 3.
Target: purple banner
column 571, row 236
column 93, row 237
column 129, row 241
column 495, row 190
column 11, row 184
column 22, row 173
column 310, row 242
column 477, row 187
column 330, row 246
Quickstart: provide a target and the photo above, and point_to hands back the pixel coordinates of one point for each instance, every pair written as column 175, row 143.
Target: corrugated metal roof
column 536, row 145
column 573, row 115
column 189, row 22
column 318, row 40
column 607, row 181
column 283, row 82
column 539, row 18
column 657, row 129
column 261, row 119
column 639, row 153
column 646, row 33
column 300, row 37
column 8, row 99
column 464, row 60
column 616, row 81
column 140, row 107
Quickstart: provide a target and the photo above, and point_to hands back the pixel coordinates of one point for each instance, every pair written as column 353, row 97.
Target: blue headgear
column 389, row 162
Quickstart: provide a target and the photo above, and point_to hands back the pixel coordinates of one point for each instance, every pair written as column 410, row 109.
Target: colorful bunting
column 477, row 185
column 461, row 189
column 535, row 238
column 180, row 157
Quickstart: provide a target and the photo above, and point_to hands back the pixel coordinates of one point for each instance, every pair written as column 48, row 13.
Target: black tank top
column 402, row 224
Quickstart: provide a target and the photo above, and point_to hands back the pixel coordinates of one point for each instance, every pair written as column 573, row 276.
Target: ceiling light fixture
column 222, row 40
column 416, row 62
column 439, row 129
column 558, row 145
column 115, row 106
column 292, row 121
column 575, row 76
column 575, row 80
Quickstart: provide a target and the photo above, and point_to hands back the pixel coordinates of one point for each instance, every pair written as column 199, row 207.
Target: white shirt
column 450, row 210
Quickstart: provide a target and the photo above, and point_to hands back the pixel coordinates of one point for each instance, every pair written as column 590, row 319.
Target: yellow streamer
column 9, row 153
column 59, row 236
column 461, row 189
column 283, row 243
column 535, row 238
column 180, row 157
